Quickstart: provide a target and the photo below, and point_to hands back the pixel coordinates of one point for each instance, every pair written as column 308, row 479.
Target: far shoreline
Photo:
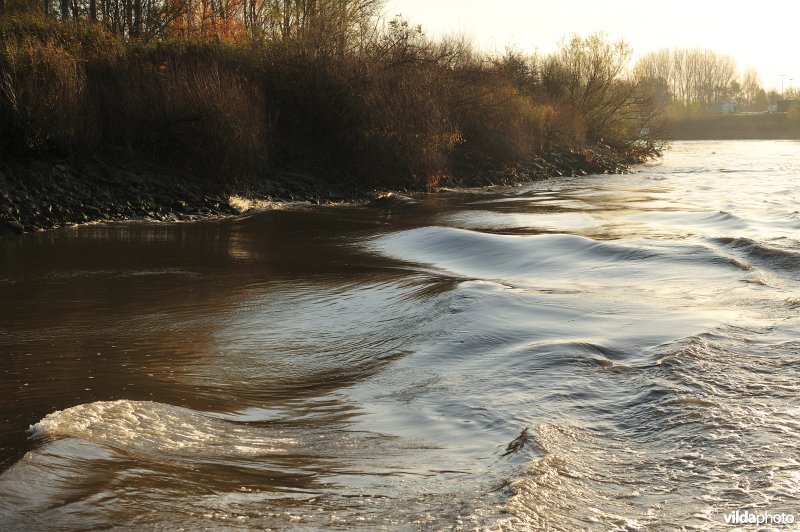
column 744, row 126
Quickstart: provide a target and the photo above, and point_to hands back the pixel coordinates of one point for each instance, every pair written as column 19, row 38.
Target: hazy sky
column 765, row 35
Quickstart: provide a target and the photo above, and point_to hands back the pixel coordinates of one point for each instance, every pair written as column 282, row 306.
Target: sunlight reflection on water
column 366, row 366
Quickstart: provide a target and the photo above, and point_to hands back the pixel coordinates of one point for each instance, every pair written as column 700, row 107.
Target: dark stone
column 15, row 226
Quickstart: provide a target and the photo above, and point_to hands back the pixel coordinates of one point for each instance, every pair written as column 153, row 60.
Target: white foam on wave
column 243, row 205
column 156, row 427
column 582, row 482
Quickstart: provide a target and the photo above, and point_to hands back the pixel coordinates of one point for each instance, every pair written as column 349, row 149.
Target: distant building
column 722, row 108
column 785, row 105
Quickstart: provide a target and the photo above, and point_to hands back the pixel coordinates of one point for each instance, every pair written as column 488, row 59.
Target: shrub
column 392, row 108
column 71, row 89
column 180, row 109
column 499, row 126
column 42, row 86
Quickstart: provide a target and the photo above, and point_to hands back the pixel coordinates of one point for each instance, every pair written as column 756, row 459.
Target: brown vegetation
column 233, row 88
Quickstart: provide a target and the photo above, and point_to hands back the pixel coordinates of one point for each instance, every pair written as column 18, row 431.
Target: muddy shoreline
column 45, row 194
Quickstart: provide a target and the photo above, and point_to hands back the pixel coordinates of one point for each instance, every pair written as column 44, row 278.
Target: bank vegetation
column 229, row 89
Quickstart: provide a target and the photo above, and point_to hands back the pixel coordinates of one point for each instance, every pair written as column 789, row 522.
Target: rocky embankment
column 43, row 195
column 586, row 161
column 47, row 194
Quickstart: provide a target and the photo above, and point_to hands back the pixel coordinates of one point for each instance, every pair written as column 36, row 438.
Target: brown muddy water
column 366, row 366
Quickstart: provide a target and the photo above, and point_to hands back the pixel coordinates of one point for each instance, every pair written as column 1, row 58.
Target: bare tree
column 591, row 74
column 692, row 76
column 752, row 92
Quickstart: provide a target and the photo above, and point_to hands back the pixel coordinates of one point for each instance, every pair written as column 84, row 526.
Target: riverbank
column 45, row 194
column 96, row 125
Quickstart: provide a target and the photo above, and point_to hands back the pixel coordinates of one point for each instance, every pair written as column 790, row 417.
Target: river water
column 367, row 366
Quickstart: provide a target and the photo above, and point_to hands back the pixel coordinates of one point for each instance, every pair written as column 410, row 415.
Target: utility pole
column 782, row 76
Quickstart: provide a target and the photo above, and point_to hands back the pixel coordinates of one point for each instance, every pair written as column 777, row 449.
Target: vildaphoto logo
column 746, row 517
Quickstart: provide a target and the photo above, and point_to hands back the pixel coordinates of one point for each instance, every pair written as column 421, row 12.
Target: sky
column 764, row 35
